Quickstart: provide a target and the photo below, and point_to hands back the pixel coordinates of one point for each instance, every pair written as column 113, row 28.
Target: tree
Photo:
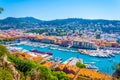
column 61, row 75
column 32, row 69
column 22, row 65
column 1, row 9
column 80, row 65
column 11, row 39
column 1, row 40
column 35, row 71
column 42, row 73
column 98, row 36
column 3, row 50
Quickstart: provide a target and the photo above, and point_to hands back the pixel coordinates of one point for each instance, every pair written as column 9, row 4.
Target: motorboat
column 112, row 55
column 93, row 67
column 57, row 59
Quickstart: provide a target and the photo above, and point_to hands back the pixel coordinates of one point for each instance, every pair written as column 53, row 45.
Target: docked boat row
column 41, row 45
column 15, row 49
column 62, row 49
column 97, row 53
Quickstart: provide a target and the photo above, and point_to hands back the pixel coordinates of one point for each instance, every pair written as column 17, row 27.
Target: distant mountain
column 12, row 22
column 30, row 22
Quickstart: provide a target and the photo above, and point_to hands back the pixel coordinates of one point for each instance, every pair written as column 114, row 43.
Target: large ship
column 40, row 52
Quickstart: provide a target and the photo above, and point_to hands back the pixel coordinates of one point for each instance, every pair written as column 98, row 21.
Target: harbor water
column 105, row 65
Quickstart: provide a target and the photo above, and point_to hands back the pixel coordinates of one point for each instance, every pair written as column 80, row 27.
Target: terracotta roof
column 37, row 58
column 49, row 64
column 60, row 66
column 71, row 75
column 92, row 74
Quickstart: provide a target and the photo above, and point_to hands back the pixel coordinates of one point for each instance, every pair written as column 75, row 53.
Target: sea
column 105, row 65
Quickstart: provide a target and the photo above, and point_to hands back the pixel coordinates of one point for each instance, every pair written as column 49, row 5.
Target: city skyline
column 49, row 10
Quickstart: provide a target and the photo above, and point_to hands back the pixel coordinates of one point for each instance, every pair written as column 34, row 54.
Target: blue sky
column 60, row 9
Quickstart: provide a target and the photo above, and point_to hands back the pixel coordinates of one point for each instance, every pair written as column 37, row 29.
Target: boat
column 112, row 55
column 42, row 46
column 93, row 67
column 73, row 51
column 40, row 52
column 52, row 48
column 81, row 51
column 49, row 53
column 57, row 59
column 61, row 49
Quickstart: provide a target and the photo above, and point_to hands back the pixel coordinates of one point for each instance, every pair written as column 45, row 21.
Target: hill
column 26, row 22
column 30, row 22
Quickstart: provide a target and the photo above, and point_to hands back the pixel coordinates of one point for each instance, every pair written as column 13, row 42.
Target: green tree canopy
column 23, row 65
column 3, row 50
column 98, row 36
column 42, row 73
column 61, row 75
column 80, row 65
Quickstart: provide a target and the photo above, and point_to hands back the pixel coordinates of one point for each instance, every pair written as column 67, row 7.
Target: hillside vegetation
column 76, row 23
column 13, row 68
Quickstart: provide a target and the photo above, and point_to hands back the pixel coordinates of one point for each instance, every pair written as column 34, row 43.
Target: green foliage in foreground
column 5, row 74
column 42, row 73
column 28, row 69
column 22, row 65
column 61, row 75
column 80, row 65
column 36, row 71
column 3, row 50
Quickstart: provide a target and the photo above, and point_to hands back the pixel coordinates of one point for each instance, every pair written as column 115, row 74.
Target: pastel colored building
column 84, row 44
column 49, row 40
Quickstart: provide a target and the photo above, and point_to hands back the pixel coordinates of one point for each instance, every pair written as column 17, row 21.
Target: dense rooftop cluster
column 73, row 72
column 73, row 41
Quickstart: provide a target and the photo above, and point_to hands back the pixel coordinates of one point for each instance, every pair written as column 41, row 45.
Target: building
column 50, row 64
column 69, row 69
column 86, row 74
column 84, row 44
column 49, row 40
